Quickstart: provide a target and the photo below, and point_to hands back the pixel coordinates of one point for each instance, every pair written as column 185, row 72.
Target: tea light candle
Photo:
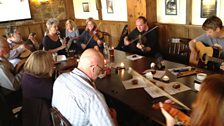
column 122, row 65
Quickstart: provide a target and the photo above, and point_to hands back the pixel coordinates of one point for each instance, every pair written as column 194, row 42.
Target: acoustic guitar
column 26, row 53
column 207, row 54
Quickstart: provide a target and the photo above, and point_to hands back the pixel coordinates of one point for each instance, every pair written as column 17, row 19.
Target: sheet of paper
column 134, row 57
column 168, row 87
column 128, row 84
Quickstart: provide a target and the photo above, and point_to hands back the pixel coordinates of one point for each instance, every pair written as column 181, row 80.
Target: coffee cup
column 201, row 76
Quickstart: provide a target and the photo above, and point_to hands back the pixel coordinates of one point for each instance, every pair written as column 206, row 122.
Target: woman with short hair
column 52, row 41
column 37, row 88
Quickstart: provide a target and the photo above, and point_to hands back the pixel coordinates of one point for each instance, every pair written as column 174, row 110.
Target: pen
column 181, row 70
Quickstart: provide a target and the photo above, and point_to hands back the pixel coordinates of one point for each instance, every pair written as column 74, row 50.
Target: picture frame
column 110, row 8
column 208, row 8
column 170, row 7
column 85, row 6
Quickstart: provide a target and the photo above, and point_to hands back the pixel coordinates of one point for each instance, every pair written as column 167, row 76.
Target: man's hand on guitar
column 140, row 46
column 83, row 46
column 218, row 46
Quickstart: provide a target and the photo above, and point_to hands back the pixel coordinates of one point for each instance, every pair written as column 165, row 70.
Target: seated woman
column 91, row 37
column 37, row 88
column 71, row 34
column 208, row 108
column 52, row 41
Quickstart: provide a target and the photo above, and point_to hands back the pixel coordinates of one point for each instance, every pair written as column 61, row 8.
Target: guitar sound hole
column 204, row 57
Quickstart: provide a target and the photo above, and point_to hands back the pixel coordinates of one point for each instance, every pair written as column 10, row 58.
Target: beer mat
column 135, row 82
column 171, row 88
column 134, row 57
column 183, row 71
column 158, row 73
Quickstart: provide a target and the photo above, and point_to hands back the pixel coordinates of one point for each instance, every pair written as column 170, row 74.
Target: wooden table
column 138, row 99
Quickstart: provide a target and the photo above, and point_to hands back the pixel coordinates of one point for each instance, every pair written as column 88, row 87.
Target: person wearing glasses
column 76, row 97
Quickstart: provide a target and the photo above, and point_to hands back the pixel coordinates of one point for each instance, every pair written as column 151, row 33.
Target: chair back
column 36, row 112
column 58, row 119
column 178, row 49
column 124, row 33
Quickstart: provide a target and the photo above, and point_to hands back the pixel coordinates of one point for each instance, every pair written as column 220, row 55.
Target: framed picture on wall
column 85, row 6
column 110, row 8
column 171, row 7
column 208, row 8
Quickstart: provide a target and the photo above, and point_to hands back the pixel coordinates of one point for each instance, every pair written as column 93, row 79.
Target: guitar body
column 205, row 53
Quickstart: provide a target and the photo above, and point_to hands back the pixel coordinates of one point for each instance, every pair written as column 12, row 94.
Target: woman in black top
column 52, row 41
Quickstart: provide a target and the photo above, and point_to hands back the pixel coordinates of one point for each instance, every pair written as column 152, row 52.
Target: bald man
column 8, row 78
column 75, row 94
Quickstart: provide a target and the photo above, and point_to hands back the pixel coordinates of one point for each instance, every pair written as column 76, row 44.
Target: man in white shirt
column 76, row 97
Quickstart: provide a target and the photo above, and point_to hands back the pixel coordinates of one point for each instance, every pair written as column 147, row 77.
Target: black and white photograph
column 110, row 8
column 171, row 7
column 85, row 6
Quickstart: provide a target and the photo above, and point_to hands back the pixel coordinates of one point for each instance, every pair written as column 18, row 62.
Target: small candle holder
column 121, row 67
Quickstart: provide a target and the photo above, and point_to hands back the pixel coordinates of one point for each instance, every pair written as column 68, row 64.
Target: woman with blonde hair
column 37, row 88
column 71, row 30
column 91, row 37
column 71, row 34
column 208, row 109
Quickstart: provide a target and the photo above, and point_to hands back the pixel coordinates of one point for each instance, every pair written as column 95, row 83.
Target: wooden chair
column 178, row 49
column 124, row 33
column 58, row 119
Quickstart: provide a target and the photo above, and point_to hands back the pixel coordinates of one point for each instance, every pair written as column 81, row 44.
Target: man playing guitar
column 214, row 36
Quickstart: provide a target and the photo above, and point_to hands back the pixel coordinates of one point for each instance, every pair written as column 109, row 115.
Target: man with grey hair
column 15, row 43
column 9, row 79
column 76, row 97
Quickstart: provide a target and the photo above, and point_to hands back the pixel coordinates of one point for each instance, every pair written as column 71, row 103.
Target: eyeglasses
column 101, row 69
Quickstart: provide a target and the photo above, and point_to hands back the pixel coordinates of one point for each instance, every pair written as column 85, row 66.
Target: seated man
column 142, row 40
column 15, row 43
column 214, row 36
column 9, row 79
column 76, row 97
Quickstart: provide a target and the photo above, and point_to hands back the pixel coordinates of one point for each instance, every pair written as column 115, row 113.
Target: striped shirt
column 79, row 102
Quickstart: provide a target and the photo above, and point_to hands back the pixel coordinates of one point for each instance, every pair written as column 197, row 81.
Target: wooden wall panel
column 151, row 14
column 24, row 30
column 2, row 31
column 38, row 30
column 195, row 31
column 135, row 9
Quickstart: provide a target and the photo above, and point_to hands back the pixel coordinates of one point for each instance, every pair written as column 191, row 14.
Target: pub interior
column 156, row 83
